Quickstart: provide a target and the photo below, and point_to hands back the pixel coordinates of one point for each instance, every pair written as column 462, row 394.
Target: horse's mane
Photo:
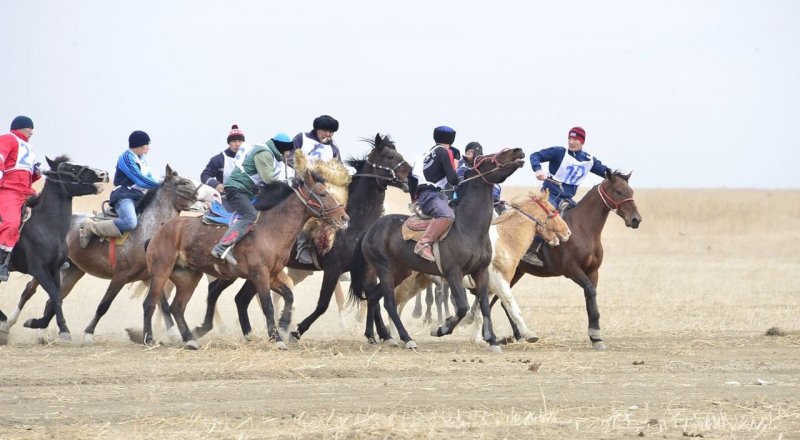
column 58, row 161
column 147, row 200
column 520, row 201
column 33, row 200
column 358, row 162
column 272, row 194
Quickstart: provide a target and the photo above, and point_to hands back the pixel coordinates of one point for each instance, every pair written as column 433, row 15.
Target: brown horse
column 580, row 258
column 181, row 251
column 121, row 263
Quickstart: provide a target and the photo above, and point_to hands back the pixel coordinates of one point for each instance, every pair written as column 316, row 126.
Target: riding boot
column 224, row 248
column 532, row 255
column 90, row 228
column 5, row 260
column 304, row 248
column 436, row 228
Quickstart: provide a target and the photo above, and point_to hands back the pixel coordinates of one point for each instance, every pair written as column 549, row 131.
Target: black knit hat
column 444, row 135
column 235, row 134
column 326, row 122
column 137, row 139
column 21, row 122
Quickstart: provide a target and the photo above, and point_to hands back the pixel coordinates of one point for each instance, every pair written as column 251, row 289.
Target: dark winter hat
column 21, row 122
column 326, row 122
column 578, row 133
column 283, row 142
column 444, row 135
column 474, row 146
column 235, row 134
column 137, row 139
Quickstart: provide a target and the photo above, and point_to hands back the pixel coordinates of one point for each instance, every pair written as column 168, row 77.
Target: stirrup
column 533, row 259
column 419, row 250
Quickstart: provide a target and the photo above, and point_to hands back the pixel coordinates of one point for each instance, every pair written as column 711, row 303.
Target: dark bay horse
column 580, row 258
column 180, row 251
column 466, row 250
column 123, row 263
column 42, row 247
column 383, row 166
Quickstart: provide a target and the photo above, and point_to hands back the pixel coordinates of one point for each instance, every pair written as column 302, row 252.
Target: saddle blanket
column 414, row 227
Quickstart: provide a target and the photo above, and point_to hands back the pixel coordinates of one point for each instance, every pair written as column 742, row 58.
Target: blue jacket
column 128, row 174
column 554, row 156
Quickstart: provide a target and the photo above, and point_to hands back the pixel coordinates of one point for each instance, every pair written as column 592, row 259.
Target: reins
column 604, row 196
column 315, row 206
column 392, row 172
column 550, row 214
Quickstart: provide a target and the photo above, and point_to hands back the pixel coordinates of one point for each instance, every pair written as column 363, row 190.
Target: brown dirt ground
column 685, row 303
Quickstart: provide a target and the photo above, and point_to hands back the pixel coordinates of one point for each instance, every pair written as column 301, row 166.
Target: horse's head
column 386, row 164
column 618, row 197
column 550, row 226
column 322, row 204
column 495, row 168
column 183, row 190
column 76, row 180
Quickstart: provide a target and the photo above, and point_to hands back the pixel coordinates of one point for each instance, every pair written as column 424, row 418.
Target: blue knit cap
column 282, row 142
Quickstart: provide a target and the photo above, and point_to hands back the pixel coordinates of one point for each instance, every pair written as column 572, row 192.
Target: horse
column 437, row 292
column 42, row 248
column 180, row 251
column 99, row 258
column 528, row 216
column 581, row 257
column 386, row 259
column 383, row 166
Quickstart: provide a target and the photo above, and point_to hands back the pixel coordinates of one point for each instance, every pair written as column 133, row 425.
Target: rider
column 221, row 166
column 18, row 171
column 569, row 166
column 470, row 151
column 434, row 170
column 316, row 144
column 132, row 179
column 260, row 167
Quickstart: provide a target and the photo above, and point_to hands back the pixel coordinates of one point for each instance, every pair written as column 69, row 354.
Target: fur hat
column 326, row 122
column 444, row 135
column 137, row 139
column 21, row 122
column 235, row 134
column 578, row 133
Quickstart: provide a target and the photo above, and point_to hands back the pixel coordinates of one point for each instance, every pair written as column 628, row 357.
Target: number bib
column 572, row 171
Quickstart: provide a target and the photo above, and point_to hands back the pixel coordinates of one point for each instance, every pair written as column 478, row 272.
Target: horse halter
column 550, row 214
column 480, row 160
column 74, row 177
column 606, row 198
column 313, row 201
column 174, row 187
column 392, row 177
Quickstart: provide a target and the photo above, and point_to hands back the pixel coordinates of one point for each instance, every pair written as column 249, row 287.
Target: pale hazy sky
column 684, row 93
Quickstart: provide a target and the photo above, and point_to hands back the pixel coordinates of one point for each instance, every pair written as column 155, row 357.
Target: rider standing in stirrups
column 569, row 166
column 433, row 171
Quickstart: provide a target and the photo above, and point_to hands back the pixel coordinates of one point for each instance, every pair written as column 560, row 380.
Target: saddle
column 107, row 212
column 217, row 215
column 414, row 227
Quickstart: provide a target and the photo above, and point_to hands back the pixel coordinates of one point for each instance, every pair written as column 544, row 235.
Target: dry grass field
column 685, row 302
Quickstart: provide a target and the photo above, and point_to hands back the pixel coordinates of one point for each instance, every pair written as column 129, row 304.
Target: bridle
column 607, row 198
column 313, row 201
column 492, row 158
column 74, row 176
column 551, row 214
column 191, row 198
column 391, row 178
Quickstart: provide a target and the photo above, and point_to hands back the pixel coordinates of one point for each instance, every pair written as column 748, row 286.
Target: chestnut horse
column 466, row 250
column 180, row 251
column 121, row 263
column 581, row 257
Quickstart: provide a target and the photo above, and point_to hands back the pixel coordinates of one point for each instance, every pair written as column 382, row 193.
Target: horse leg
column 51, row 283
column 462, row 306
column 243, row 298
column 116, row 284
column 589, row 283
column 159, row 276
column 391, row 308
column 69, row 277
column 440, row 302
column 514, row 329
column 502, row 290
column 430, row 298
column 185, row 282
column 417, row 313
column 288, row 299
column 215, row 289
column 329, row 280
column 482, row 287
column 263, row 291
column 7, row 322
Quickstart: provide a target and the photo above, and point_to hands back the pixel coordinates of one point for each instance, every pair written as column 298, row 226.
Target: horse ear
column 609, row 174
column 50, row 163
column 626, row 176
column 378, row 141
column 309, row 178
column 169, row 171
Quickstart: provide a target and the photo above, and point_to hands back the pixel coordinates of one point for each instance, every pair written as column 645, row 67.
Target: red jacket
column 16, row 163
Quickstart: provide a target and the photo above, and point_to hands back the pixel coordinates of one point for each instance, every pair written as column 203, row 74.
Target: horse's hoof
column 5, row 326
column 191, row 344
column 599, row 345
column 88, row 339
column 249, row 337
column 411, row 345
column 3, row 337
column 174, row 334
column 495, row 349
column 65, row 336
column 29, row 323
column 295, row 336
column 532, row 339
column 435, row 332
column 507, row 340
column 390, row 342
column 416, row 314
column 371, row 340
column 280, row 345
column 198, row 332
column 343, row 323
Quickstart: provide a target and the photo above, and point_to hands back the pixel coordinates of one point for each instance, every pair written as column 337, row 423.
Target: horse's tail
column 358, row 275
